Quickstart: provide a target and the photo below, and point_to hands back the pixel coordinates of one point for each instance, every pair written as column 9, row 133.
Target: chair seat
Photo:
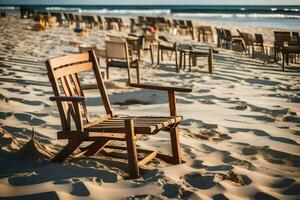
column 142, row 125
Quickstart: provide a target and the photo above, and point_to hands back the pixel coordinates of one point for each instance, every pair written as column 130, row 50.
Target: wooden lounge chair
column 117, row 55
column 63, row 74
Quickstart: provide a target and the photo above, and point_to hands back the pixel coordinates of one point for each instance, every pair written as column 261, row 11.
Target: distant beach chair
column 205, row 34
column 248, row 43
column 259, row 42
column 27, row 12
column 117, row 55
column 2, row 14
column 165, row 45
column 287, row 46
column 63, row 74
column 100, row 22
column 280, row 38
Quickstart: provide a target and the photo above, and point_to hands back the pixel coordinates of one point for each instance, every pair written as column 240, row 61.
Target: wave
column 238, row 15
column 111, row 11
column 7, row 8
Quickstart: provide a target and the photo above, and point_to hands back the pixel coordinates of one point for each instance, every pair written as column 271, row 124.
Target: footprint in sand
column 240, row 106
column 211, row 135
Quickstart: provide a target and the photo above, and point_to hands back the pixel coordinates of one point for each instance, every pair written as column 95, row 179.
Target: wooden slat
column 97, row 121
column 131, row 149
column 100, row 83
column 65, row 60
column 148, row 158
column 64, row 71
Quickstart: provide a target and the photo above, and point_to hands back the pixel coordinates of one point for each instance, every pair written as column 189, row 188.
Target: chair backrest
column 259, row 38
column 116, row 38
column 116, row 50
column 295, row 37
column 63, row 73
column 207, row 30
column 247, row 38
column 281, row 37
column 227, row 34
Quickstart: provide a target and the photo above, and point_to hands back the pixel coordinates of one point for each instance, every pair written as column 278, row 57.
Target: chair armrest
column 156, row 87
column 171, row 93
column 63, row 98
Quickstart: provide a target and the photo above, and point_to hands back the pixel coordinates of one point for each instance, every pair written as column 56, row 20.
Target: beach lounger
column 63, row 74
column 117, row 55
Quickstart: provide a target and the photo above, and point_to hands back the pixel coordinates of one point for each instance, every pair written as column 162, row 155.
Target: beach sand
column 240, row 135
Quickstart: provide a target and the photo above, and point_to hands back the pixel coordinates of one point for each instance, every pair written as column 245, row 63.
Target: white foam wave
column 7, row 8
column 239, row 15
column 111, row 11
column 124, row 12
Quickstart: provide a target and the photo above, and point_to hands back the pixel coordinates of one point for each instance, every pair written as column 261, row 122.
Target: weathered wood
column 174, row 134
column 68, row 149
column 210, row 61
column 148, row 158
column 100, row 83
column 131, row 149
column 65, row 60
column 95, row 147
column 108, row 127
column 71, row 69
column 172, row 103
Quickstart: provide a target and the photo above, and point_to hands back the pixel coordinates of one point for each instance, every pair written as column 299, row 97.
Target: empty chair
column 248, row 43
column 64, row 75
column 259, row 42
column 205, row 34
column 164, row 45
column 280, row 38
column 117, row 55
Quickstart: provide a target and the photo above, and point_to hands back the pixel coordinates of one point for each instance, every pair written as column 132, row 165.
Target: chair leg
column 138, row 74
column 190, row 65
column 95, row 147
column 176, row 61
column 131, row 149
column 283, row 59
column 68, row 149
column 158, row 56
column 210, row 61
column 107, row 72
column 174, row 134
column 151, row 54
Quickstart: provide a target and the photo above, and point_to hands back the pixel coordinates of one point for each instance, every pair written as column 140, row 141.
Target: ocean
column 279, row 16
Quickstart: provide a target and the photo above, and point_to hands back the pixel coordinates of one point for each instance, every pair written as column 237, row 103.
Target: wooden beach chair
column 205, row 34
column 164, row 45
column 63, row 74
column 280, row 38
column 117, row 55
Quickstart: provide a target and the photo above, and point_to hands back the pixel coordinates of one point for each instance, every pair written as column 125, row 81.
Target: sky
column 155, row 2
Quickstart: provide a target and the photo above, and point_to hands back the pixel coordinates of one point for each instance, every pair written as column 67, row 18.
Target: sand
column 240, row 133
